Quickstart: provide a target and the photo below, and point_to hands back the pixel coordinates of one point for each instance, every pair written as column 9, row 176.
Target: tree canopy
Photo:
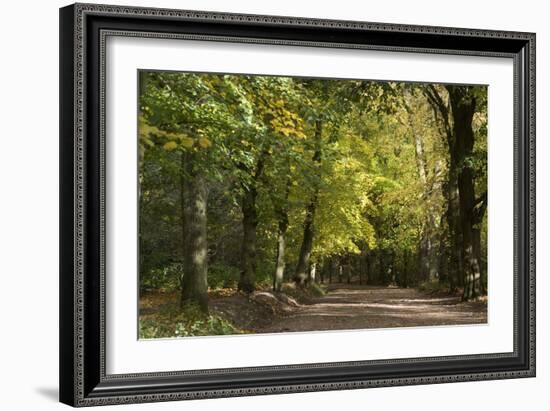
column 251, row 181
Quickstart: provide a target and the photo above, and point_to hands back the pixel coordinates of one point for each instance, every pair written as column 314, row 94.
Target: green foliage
column 433, row 287
column 166, row 277
column 222, row 276
column 188, row 322
column 378, row 195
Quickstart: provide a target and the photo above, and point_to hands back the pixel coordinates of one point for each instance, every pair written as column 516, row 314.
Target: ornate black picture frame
column 83, row 30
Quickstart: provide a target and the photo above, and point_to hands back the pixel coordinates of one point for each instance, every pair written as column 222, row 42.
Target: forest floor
column 349, row 307
column 343, row 307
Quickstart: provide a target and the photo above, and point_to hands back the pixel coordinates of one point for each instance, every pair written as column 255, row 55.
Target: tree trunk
column 195, row 285
column 479, row 214
column 428, row 262
column 307, row 244
column 434, row 228
column 442, row 114
column 182, row 214
column 463, row 106
column 443, row 255
column 280, row 263
column 301, row 274
column 424, row 256
column 383, row 279
column 476, row 233
column 247, row 280
column 391, row 272
column 312, row 273
column 472, row 270
column 406, row 259
column 455, row 263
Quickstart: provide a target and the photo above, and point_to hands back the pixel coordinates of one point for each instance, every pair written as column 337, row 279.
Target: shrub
column 433, row 286
column 190, row 321
column 222, row 276
column 165, row 278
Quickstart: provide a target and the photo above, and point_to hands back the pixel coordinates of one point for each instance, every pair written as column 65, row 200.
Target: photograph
column 279, row 204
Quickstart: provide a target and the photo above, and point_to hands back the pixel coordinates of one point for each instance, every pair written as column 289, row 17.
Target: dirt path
column 352, row 307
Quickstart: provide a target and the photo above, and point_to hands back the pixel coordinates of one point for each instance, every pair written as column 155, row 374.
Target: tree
column 329, row 106
column 195, row 195
column 271, row 103
column 184, row 113
column 421, row 127
column 463, row 103
column 465, row 212
column 302, row 267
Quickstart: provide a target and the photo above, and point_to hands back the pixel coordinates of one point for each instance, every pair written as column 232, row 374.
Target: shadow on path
column 346, row 307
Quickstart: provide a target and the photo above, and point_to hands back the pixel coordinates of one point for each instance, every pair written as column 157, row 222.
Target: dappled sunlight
column 449, row 300
column 362, row 308
column 339, row 309
column 268, row 203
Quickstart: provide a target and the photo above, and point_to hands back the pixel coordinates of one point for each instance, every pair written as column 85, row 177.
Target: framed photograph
column 261, row 204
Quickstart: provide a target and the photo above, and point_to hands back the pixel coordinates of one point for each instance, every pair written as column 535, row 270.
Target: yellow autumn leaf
column 275, row 123
column 187, row 142
column 286, row 131
column 170, row 146
column 204, row 142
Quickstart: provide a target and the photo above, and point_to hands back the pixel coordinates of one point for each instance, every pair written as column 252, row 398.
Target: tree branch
column 439, row 106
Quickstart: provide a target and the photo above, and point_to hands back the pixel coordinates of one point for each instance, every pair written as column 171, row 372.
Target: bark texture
column 280, row 262
column 247, row 279
column 282, row 212
column 195, row 196
column 463, row 106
